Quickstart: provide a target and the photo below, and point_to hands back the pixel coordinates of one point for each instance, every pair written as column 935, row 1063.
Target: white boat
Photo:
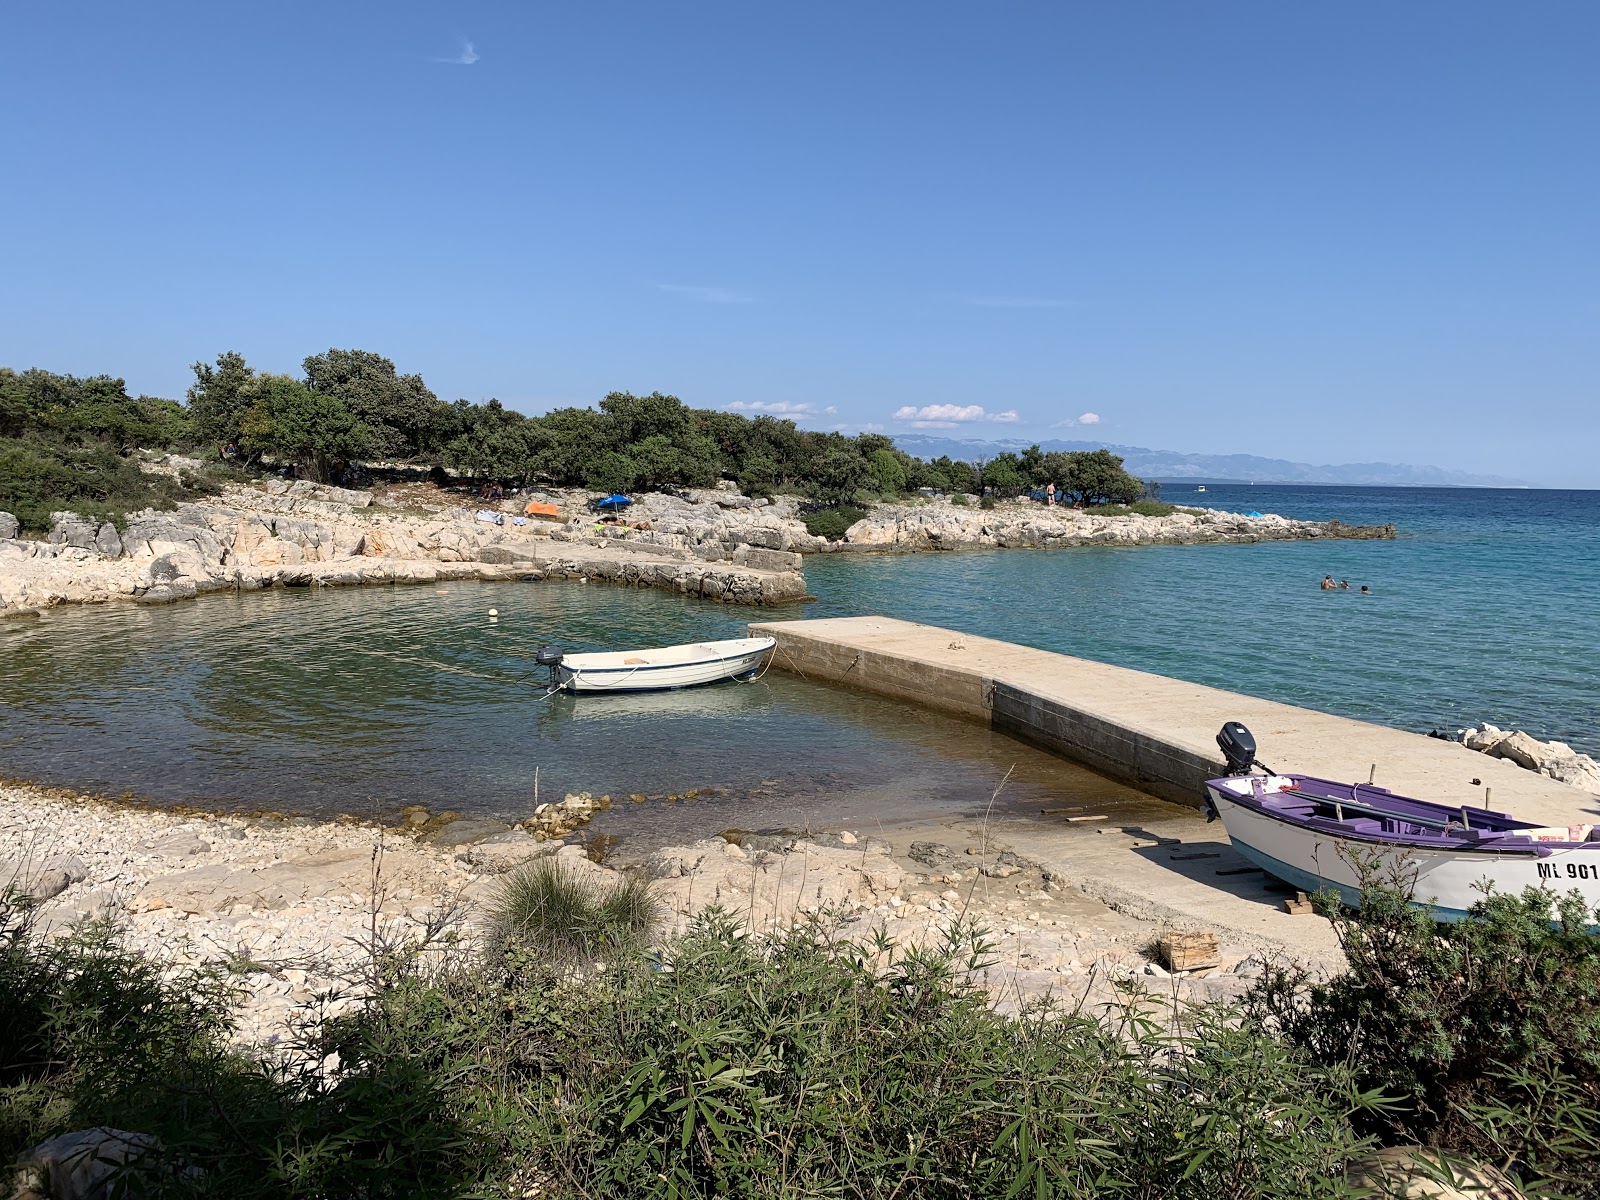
column 657, row 669
column 1316, row 834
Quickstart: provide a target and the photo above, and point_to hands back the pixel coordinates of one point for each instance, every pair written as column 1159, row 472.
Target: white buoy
column 494, row 612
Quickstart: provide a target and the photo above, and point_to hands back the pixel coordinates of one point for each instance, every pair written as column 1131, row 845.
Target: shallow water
column 362, row 700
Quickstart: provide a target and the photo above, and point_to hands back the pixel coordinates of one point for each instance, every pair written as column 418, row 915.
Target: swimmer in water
column 1327, row 583
column 1365, row 590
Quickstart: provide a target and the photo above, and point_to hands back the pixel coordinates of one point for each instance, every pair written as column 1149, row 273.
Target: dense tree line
column 354, row 407
column 64, row 444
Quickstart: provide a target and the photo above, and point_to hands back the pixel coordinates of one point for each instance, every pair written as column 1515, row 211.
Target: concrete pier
column 1151, row 732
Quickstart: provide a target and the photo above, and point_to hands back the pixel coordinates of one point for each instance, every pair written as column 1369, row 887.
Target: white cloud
column 468, row 56
column 706, row 295
column 782, row 407
column 830, row 410
column 1087, row 418
column 943, row 416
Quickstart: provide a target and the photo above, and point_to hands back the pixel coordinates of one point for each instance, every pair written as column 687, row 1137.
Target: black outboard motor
column 1238, row 746
column 551, row 656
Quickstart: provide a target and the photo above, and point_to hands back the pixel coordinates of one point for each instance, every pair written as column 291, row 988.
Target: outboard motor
column 551, row 656
column 1238, row 746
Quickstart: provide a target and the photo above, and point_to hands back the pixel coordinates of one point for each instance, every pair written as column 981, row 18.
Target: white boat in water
column 655, row 670
column 1316, row 834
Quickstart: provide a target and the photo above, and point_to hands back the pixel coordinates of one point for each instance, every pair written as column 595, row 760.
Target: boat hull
column 1447, row 881
column 731, row 661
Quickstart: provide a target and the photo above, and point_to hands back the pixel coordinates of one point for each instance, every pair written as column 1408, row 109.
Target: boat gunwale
column 752, row 646
column 1432, row 843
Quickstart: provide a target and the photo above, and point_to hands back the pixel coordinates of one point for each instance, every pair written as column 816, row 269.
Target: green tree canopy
column 400, row 413
column 219, row 396
column 293, row 423
column 1004, row 474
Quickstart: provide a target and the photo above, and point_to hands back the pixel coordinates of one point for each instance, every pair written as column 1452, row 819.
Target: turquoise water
column 1487, row 607
column 361, row 700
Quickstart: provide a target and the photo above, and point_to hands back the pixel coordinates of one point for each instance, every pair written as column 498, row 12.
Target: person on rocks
column 1050, row 495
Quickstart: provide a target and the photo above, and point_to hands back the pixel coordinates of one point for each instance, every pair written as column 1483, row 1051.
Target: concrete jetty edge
column 1151, row 732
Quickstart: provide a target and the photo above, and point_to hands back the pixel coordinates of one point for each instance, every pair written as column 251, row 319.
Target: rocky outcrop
column 713, row 543
column 1556, row 759
column 303, row 535
column 940, row 525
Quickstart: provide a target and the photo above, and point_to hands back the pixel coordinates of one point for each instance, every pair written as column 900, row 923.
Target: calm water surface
column 1486, row 608
column 361, row 700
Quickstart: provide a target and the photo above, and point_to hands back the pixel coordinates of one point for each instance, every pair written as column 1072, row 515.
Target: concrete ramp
column 1151, row 732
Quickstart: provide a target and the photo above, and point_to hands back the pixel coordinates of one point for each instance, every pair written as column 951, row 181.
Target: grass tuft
column 548, row 908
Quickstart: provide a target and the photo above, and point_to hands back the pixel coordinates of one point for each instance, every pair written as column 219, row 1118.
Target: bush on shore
column 1485, row 1034
column 732, row 1066
column 545, row 908
column 40, row 475
column 832, row 523
column 1139, row 508
column 800, row 1064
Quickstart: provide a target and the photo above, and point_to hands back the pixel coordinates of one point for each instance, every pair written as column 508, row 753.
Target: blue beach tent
column 613, row 501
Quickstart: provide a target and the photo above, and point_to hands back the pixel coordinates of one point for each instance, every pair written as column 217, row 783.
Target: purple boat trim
column 1364, row 812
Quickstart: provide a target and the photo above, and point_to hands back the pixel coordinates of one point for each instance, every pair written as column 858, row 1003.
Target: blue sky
column 1328, row 232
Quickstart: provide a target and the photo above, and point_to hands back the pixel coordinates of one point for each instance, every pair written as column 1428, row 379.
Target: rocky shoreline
column 716, row 544
column 291, row 909
column 306, row 535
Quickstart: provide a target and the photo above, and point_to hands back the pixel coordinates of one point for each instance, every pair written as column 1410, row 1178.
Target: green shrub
column 986, row 503
column 832, row 523
column 39, row 476
column 548, row 908
column 1485, row 1033
column 1139, row 508
column 960, row 500
column 801, row 1064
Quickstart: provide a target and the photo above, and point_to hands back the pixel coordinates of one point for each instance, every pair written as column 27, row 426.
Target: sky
column 1328, row 232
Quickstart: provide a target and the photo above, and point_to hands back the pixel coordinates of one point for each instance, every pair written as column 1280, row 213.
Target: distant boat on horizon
column 1201, row 488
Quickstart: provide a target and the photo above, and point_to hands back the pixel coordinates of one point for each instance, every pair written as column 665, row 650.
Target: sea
column 360, row 701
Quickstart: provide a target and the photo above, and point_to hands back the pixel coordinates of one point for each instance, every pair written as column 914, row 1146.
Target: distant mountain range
column 1169, row 465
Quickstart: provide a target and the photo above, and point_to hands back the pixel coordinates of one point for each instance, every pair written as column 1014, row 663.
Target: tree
column 1096, row 477
column 839, row 475
column 888, row 470
column 1003, row 473
column 399, row 411
column 1031, row 463
column 291, row 422
column 219, row 397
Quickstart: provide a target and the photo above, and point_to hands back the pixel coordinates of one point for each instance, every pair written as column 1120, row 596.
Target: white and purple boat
column 1316, row 834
